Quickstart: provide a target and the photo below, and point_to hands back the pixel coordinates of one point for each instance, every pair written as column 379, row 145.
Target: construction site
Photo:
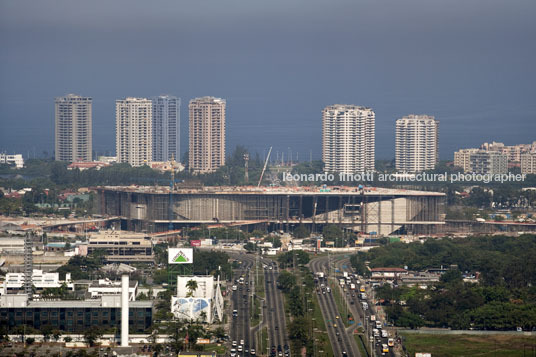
column 367, row 210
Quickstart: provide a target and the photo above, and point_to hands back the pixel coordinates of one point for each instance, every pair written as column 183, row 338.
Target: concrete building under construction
column 369, row 209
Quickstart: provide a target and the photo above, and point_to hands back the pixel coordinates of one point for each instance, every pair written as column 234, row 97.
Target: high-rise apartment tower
column 207, row 134
column 348, row 138
column 134, row 137
column 166, row 128
column 417, row 143
column 73, row 129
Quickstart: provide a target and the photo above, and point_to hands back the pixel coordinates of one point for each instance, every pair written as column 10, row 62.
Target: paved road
column 354, row 303
column 241, row 299
column 272, row 306
column 274, row 310
column 342, row 342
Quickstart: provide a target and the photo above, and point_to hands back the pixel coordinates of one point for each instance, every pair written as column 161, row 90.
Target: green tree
column 451, row 276
column 301, row 231
column 46, row 331
column 286, row 281
column 250, row 247
column 56, row 334
column 92, row 335
column 191, row 285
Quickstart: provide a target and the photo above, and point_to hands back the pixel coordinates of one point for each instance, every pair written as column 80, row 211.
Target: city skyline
column 165, row 133
column 275, row 81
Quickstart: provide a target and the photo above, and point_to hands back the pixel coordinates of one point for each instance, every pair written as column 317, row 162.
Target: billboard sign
column 180, row 256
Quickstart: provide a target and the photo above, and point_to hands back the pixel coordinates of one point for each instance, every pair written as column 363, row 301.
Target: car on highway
column 391, row 342
column 240, row 348
column 234, row 344
column 385, row 349
column 376, row 332
column 385, row 334
column 252, row 352
column 233, row 352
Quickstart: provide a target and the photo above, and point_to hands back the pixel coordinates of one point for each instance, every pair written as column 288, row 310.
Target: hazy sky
column 471, row 63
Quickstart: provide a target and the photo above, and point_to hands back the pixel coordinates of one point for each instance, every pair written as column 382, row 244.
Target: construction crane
column 246, row 160
column 171, row 190
column 264, row 168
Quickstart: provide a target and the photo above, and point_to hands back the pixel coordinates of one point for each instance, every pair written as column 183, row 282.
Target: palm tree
column 191, row 285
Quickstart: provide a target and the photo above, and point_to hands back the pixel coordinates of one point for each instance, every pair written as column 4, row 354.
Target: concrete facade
column 528, row 163
column 488, row 162
column 134, row 137
column 207, row 134
column 374, row 210
column 462, row 159
column 348, row 138
column 12, row 159
column 417, row 139
column 73, row 128
column 166, row 128
column 205, row 303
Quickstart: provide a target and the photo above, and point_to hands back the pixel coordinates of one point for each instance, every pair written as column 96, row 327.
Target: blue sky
column 471, row 63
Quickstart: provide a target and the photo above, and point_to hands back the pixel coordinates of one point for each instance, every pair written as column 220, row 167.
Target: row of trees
column 52, row 174
column 298, row 287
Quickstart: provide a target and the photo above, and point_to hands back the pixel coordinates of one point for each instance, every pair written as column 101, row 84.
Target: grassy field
column 320, row 333
column 263, row 343
column 470, row 345
column 339, row 300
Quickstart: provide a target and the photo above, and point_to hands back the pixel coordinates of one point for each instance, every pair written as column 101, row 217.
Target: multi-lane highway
column 342, row 341
column 243, row 291
column 274, row 311
column 242, row 338
column 355, row 302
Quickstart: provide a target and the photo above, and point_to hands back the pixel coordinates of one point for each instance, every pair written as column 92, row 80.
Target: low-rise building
column 388, row 273
column 204, row 303
column 528, row 163
column 488, row 162
column 102, row 287
column 462, row 159
column 86, row 165
column 122, row 246
column 14, row 282
column 74, row 316
column 16, row 160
